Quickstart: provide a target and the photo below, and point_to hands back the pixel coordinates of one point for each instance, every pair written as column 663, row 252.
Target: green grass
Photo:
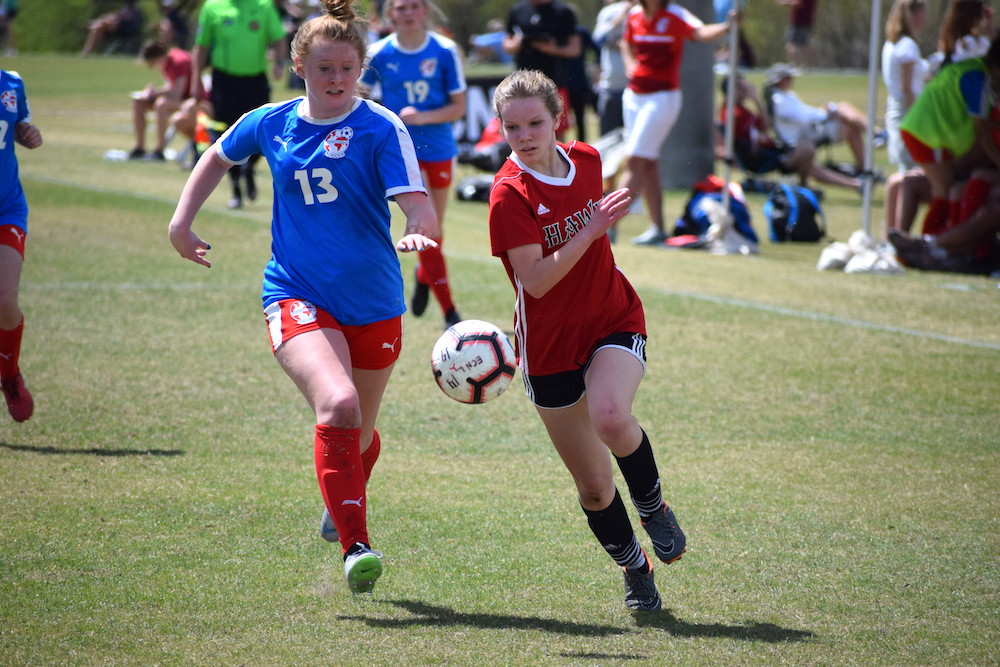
column 837, row 477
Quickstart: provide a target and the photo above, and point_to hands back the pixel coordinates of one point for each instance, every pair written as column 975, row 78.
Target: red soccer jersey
column 658, row 46
column 558, row 332
column 177, row 65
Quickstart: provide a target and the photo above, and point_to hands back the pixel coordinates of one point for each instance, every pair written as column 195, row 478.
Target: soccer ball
column 473, row 361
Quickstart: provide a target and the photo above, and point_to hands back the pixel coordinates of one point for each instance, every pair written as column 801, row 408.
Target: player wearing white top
column 903, row 71
column 421, row 77
column 15, row 127
column 335, row 161
column 548, row 223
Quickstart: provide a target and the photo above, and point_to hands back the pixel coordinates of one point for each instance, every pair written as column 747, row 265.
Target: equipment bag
column 793, row 214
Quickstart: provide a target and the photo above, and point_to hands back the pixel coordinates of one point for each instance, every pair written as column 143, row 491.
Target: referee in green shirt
column 237, row 34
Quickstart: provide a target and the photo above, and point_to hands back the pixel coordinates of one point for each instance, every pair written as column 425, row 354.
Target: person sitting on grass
column 175, row 64
column 759, row 153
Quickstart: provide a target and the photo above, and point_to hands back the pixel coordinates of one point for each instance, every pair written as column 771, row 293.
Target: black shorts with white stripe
column 561, row 390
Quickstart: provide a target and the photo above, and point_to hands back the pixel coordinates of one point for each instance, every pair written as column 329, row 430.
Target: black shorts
column 561, row 390
column 233, row 96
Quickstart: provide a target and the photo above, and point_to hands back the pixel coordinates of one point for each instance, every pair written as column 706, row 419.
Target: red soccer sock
column 977, row 191
column 937, row 217
column 340, row 471
column 10, row 351
column 370, row 455
column 434, row 272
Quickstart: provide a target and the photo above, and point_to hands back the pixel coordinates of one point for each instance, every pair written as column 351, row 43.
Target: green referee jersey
column 238, row 32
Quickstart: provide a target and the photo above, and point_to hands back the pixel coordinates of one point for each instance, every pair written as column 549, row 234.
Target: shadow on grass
column 430, row 615
column 752, row 631
column 93, row 451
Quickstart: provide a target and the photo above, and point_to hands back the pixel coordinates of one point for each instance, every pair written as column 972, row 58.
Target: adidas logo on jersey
column 542, row 210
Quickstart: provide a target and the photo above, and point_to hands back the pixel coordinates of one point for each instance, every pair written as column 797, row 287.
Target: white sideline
column 820, row 317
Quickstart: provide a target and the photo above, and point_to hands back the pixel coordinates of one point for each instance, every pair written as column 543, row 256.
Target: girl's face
column 529, row 129
column 409, row 14
column 331, row 71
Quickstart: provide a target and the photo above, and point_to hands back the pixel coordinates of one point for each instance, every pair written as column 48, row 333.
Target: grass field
column 829, row 442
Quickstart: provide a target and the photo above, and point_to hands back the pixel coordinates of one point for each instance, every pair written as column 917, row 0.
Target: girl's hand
column 28, row 135
column 415, row 242
column 189, row 246
column 613, row 207
column 408, row 115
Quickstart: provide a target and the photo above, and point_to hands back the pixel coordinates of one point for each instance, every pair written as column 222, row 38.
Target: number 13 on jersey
column 324, row 178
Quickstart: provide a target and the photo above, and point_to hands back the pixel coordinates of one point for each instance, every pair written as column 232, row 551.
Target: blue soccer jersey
column 331, row 242
column 424, row 79
column 13, row 110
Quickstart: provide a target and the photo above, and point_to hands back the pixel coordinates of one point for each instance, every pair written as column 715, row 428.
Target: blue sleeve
column 976, row 93
column 240, row 141
column 454, row 79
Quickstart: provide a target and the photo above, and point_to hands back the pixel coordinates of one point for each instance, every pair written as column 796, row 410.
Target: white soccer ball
column 473, row 361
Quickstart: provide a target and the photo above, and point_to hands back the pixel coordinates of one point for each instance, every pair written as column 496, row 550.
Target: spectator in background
column 796, row 122
column 488, row 47
column 165, row 100
column 802, row 13
column 966, row 31
column 652, row 50
column 903, row 71
column 949, row 118
column 174, row 24
column 542, row 36
column 237, row 34
column 757, row 151
column 608, row 31
column 124, row 24
column 581, row 89
column 8, row 12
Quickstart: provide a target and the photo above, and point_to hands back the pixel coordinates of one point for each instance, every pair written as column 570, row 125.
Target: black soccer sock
column 614, row 531
column 639, row 470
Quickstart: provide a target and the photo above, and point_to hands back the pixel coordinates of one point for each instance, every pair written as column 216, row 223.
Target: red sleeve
column 512, row 222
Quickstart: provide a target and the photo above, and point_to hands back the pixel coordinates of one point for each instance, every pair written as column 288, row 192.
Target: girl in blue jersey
column 15, row 126
column 422, row 79
column 333, row 294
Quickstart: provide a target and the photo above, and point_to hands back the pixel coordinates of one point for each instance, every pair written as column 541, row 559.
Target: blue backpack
column 793, row 214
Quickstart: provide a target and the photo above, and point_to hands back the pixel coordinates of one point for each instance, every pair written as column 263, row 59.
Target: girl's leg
column 612, row 381
column 432, row 271
column 19, row 400
column 586, row 458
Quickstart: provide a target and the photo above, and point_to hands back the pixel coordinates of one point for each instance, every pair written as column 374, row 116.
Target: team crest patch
column 302, row 312
column 428, row 67
column 661, row 25
column 336, row 142
column 9, row 100
column 254, row 26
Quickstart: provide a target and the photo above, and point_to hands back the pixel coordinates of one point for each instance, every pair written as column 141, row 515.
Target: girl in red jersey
column 652, row 50
column 579, row 326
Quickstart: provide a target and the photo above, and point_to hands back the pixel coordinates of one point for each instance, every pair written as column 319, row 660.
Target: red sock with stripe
column 434, row 272
column 977, row 191
column 10, row 351
column 340, row 471
column 936, row 220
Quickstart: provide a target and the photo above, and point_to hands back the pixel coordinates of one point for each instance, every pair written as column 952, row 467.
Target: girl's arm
column 421, row 221
column 539, row 274
column 452, row 111
column 207, row 175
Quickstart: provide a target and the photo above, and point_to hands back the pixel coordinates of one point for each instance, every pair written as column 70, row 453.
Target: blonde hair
column 900, row 22
column 524, row 84
column 338, row 23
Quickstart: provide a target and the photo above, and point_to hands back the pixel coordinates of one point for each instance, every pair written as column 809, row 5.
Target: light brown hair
column 339, row 23
column 524, row 84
